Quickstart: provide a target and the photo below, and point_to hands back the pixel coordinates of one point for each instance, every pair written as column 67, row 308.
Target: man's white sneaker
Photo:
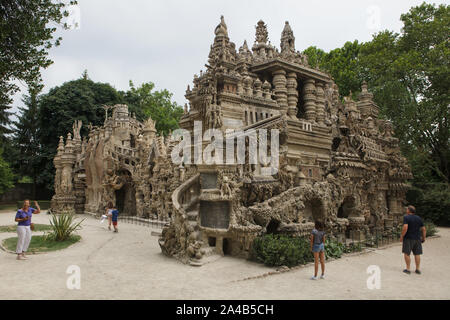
column 314, row 278
column 322, row 276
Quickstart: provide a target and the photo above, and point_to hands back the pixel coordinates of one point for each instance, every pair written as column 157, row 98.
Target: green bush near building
column 281, row 250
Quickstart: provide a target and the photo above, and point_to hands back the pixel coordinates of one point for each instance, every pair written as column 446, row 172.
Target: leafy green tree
column 410, row 76
column 316, row 56
column 408, row 72
column 156, row 104
column 80, row 99
column 6, row 175
column 26, row 35
column 341, row 63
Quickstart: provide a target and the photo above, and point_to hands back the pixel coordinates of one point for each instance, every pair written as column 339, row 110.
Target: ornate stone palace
column 338, row 162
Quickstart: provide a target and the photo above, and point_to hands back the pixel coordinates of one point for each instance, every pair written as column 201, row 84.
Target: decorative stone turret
column 64, row 161
column 287, row 40
column 366, row 105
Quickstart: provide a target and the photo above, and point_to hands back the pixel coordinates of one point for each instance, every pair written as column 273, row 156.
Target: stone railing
column 186, row 194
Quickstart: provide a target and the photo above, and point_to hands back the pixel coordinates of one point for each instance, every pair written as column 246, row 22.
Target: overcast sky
column 167, row 41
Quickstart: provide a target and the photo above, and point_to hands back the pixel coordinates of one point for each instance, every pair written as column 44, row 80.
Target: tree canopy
column 26, row 34
column 409, row 74
column 154, row 104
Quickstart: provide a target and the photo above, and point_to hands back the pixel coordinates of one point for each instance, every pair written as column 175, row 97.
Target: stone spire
column 222, row 49
column 262, row 49
column 61, row 145
column 221, row 29
column 261, row 36
column 287, row 39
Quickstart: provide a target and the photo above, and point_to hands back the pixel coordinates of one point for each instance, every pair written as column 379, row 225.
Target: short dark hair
column 412, row 209
column 110, row 205
column 318, row 225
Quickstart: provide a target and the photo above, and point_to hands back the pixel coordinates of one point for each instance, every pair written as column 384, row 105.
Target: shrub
column 62, row 226
column 333, row 248
column 431, row 228
column 353, row 247
column 432, row 202
column 279, row 250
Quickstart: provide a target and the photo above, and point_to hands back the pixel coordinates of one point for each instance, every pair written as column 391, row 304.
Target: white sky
column 167, row 41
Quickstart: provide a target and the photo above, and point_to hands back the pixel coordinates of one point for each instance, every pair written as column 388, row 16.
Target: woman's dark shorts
column 412, row 245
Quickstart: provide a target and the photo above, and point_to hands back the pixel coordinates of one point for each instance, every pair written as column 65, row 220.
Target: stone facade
column 124, row 162
column 338, row 162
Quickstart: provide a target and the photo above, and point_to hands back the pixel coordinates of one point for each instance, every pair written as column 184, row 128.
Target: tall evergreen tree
column 26, row 139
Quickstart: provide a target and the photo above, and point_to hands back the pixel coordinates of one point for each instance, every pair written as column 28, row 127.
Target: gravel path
column 130, row 265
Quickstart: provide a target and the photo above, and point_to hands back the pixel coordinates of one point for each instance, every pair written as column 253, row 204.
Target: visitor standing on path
column 24, row 227
column 114, row 218
column 109, row 210
column 318, row 249
column 413, row 235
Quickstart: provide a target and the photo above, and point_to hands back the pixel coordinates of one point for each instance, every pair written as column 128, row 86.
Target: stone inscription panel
column 215, row 214
column 208, row 180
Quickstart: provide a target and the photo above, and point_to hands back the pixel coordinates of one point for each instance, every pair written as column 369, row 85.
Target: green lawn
column 40, row 244
column 11, row 207
column 37, row 227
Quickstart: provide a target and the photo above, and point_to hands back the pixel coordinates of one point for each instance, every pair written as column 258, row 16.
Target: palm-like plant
column 63, row 225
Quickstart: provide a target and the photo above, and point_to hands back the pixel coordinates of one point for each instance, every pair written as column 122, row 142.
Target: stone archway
column 347, row 208
column 314, row 210
column 126, row 195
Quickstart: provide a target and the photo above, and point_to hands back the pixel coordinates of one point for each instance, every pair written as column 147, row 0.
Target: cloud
column 168, row 41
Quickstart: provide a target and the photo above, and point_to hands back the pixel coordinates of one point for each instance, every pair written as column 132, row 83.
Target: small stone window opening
column 212, row 241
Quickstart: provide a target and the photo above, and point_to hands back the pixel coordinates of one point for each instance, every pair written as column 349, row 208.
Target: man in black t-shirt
column 413, row 235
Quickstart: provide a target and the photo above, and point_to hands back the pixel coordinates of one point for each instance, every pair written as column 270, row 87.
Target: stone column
column 320, row 103
column 292, row 94
column 309, row 98
column 280, row 89
column 392, row 202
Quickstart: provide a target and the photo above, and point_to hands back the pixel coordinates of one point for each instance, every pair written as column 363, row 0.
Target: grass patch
column 37, row 227
column 42, row 243
column 11, row 207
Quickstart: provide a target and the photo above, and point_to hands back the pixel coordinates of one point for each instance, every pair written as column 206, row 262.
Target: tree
column 6, row 175
column 341, row 63
column 80, row 99
column 155, row 104
column 408, row 73
column 26, row 35
column 410, row 76
column 26, row 140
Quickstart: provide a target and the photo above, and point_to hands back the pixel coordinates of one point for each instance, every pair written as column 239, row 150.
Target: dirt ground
column 130, row 265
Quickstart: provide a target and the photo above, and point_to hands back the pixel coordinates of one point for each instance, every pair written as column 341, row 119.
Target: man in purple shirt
column 23, row 217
